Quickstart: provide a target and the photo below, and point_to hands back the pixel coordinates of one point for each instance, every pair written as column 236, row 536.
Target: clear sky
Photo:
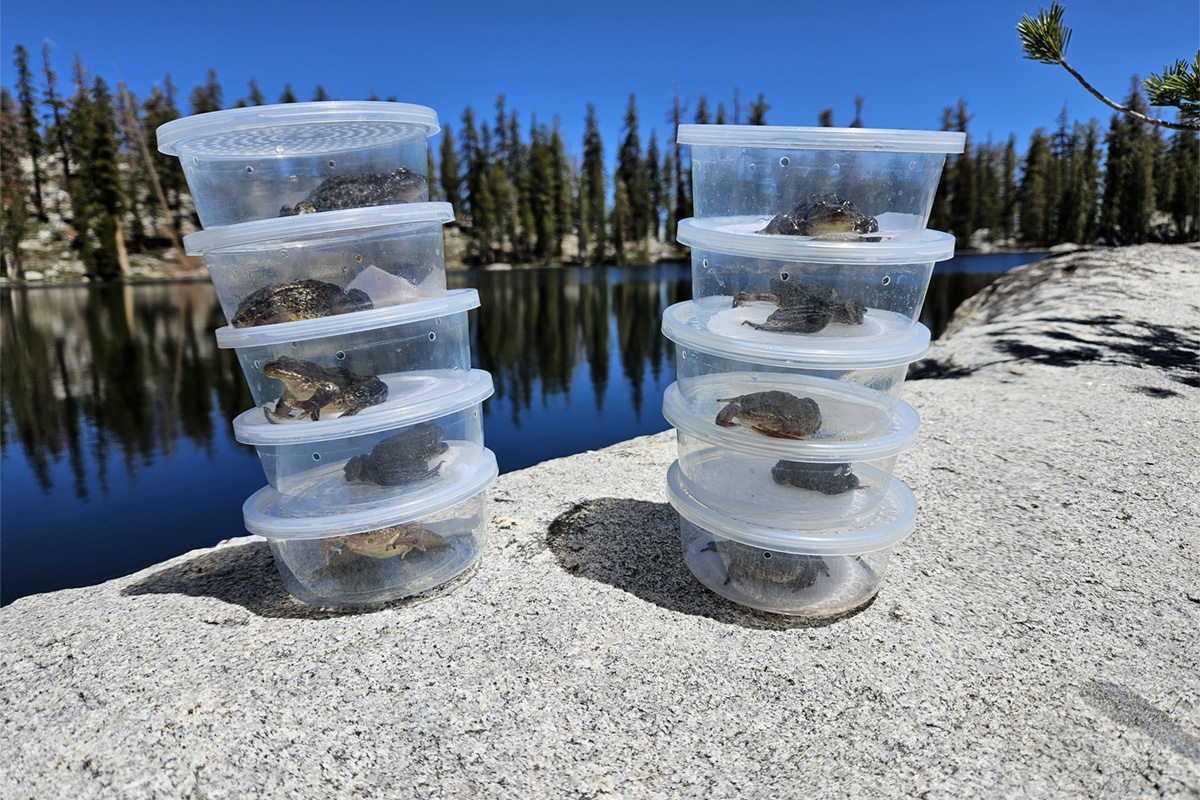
column 909, row 60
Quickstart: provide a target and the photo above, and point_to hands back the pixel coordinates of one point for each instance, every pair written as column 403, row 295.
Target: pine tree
column 14, row 192
column 451, row 177
column 1183, row 204
column 287, row 96
column 622, row 219
column 654, row 179
column 158, row 110
column 1089, row 156
column 563, row 190
column 592, row 190
column 940, row 214
column 683, row 180
column 758, row 111
column 59, row 131
column 963, row 200
column 987, row 185
column 720, row 118
column 207, row 98
column 702, row 116
column 1009, row 191
column 97, row 201
column 29, row 126
column 519, row 180
column 825, row 118
column 632, row 172
column 256, row 98
column 1129, row 200
column 541, row 193
column 319, row 94
column 1034, row 205
column 668, row 186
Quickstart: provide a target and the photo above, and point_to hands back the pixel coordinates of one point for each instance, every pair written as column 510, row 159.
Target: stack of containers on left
column 329, row 264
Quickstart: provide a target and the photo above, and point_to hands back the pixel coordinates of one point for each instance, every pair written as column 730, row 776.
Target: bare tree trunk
column 122, row 253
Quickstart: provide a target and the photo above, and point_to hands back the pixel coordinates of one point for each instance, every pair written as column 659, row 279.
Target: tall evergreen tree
column 1088, row 154
column 940, row 213
column 632, row 172
column 654, row 179
column 256, row 97
column 963, row 200
column 1034, row 204
column 29, row 126
column 97, row 201
column 14, row 192
column 825, row 118
column 702, row 116
column 159, row 109
column 287, row 96
column 519, row 180
column 563, row 190
column 592, row 191
column 683, row 180
column 621, row 219
column 1009, row 191
column 541, row 193
column 758, row 111
column 1129, row 191
column 208, row 97
column 668, row 187
column 986, row 168
column 319, row 94
column 1183, row 203
column 720, row 118
column 450, row 174
column 59, row 131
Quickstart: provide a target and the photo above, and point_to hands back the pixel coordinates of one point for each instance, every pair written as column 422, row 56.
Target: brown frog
column 303, row 299
column 311, row 389
column 359, row 191
column 826, row 216
column 772, row 413
column 824, row 478
column 348, row 555
column 400, row 459
column 803, row 307
column 746, row 566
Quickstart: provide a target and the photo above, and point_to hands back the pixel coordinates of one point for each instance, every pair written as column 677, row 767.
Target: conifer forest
column 79, row 163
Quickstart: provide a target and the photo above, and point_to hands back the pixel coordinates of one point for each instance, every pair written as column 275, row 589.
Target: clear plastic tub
column 260, row 162
column 389, row 353
column 783, row 483
column 413, row 444
column 741, row 280
column 764, row 171
column 855, row 382
column 317, row 265
column 377, row 554
column 816, row 575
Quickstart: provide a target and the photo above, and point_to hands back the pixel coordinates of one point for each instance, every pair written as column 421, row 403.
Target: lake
column 116, row 449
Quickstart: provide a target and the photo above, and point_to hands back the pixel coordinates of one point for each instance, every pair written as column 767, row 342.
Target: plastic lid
column 351, row 220
column 902, row 346
column 412, row 397
column 312, row 128
column 263, row 516
column 453, row 302
column 740, row 236
column 878, row 140
column 900, row 435
column 894, row 522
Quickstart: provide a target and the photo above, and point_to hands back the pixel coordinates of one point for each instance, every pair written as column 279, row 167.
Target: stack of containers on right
column 810, row 263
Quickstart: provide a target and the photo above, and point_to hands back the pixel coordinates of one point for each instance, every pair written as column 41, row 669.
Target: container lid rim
column 886, row 140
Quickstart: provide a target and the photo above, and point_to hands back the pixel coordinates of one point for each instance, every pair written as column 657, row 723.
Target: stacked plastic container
column 329, row 264
column 810, row 263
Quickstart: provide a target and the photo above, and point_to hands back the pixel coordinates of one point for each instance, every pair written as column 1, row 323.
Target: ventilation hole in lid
column 887, row 279
column 752, row 168
column 432, row 336
column 316, row 456
column 766, row 555
column 783, row 162
column 358, row 258
column 249, row 170
column 705, row 263
column 783, row 276
column 340, row 355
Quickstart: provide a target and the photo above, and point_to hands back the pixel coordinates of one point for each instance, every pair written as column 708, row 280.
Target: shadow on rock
column 634, row 546
column 245, row 575
column 1131, row 710
column 1108, row 339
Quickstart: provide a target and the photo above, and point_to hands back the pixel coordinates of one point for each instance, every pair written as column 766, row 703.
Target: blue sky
column 909, row 60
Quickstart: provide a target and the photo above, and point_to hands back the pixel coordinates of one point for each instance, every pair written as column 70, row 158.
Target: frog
column 824, row 478
column 803, row 307
column 350, row 555
column 400, row 459
column 297, row 300
column 772, row 413
column 311, row 389
column 359, row 191
column 746, row 565
column 824, row 216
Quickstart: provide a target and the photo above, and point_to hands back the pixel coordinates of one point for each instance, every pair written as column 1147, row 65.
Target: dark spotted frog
column 747, row 566
column 803, row 307
column 824, row 478
column 826, row 216
column 303, row 299
column 772, row 413
column 359, row 191
column 400, row 459
column 311, row 389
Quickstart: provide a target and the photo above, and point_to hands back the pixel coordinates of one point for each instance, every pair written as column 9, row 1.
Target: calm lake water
column 116, row 449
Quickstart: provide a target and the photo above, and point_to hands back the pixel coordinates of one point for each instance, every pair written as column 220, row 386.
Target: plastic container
column 763, row 171
column 855, row 381
column 252, row 163
column 814, row 574
column 885, row 281
column 402, row 346
column 264, row 271
column 378, row 554
column 413, row 444
column 784, row 483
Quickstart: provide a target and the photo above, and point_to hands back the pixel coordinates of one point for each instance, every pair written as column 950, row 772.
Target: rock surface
column 1038, row 636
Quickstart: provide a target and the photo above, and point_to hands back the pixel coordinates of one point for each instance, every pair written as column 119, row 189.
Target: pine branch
column 1045, row 40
